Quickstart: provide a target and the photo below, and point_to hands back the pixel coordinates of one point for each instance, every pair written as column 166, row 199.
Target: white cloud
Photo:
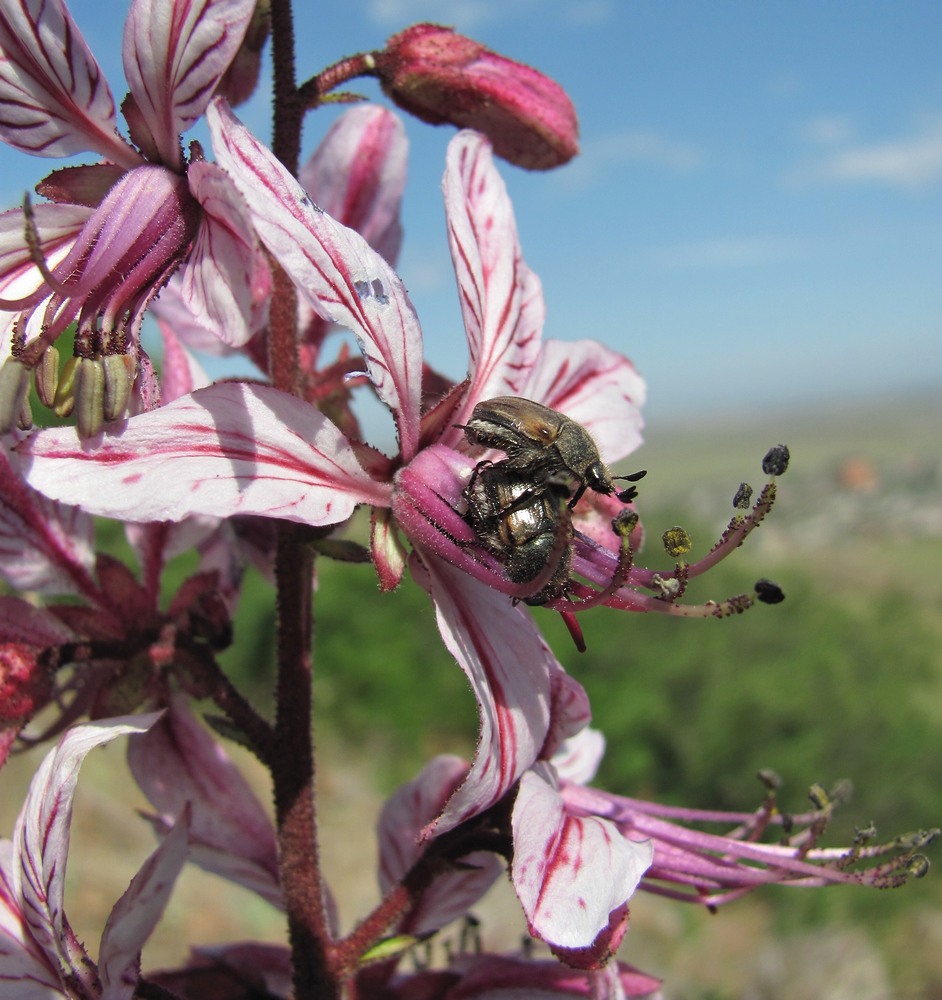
column 600, row 155
column 912, row 162
column 726, row 251
column 827, row 130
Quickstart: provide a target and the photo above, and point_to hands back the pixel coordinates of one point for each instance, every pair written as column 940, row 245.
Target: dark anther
column 768, row 592
column 776, row 460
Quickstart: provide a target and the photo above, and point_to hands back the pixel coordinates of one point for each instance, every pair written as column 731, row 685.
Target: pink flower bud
column 441, row 76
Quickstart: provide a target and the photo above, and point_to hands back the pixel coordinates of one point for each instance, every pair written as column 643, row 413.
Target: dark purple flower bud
column 441, row 76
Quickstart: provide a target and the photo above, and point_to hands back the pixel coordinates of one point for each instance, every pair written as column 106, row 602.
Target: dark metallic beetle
column 544, row 445
column 524, row 523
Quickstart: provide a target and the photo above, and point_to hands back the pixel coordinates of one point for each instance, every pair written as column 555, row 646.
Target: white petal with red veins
column 358, row 173
column 54, row 99
column 509, row 666
column 136, row 914
column 225, row 274
column 501, row 299
column 174, row 55
column 595, row 387
column 570, row 871
column 334, row 268
column 227, row 449
column 41, row 835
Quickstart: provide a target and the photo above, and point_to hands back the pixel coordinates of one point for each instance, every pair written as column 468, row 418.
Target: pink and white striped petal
column 339, row 274
column 177, row 763
column 509, row 666
column 41, row 836
column 54, row 99
column 225, row 281
column 44, row 546
column 358, row 173
column 594, row 386
column 27, row 972
column 227, row 449
column 175, row 52
column 501, row 299
column 410, row 808
column 570, row 871
column 133, row 918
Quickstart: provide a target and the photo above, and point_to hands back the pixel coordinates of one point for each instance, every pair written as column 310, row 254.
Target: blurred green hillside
column 841, row 681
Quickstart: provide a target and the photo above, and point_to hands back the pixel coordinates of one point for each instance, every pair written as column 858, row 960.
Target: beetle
column 544, row 444
column 524, row 522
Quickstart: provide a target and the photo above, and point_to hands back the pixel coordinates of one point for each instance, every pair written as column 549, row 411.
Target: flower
column 696, row 866
column 234, row 449
column 112, row 233
column 440, row 76
column 38, row 949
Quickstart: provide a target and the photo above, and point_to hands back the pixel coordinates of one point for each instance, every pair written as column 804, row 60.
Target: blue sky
column 754, row 219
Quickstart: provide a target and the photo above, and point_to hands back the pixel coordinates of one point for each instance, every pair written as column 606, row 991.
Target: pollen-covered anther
column 743, row 497
column 676, row 542
column 776, row 460
column 89, row 396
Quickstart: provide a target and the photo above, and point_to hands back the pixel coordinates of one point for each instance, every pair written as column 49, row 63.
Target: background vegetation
column 842, row 680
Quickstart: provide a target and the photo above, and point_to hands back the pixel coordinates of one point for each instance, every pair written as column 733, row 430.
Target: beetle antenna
column 629, row 494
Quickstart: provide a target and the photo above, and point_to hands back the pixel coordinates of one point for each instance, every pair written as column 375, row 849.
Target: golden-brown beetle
column 543, row 444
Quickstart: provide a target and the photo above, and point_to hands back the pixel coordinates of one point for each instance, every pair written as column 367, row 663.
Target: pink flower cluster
column 228, row 469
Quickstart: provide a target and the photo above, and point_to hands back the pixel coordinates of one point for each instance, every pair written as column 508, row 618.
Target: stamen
column 776, row 460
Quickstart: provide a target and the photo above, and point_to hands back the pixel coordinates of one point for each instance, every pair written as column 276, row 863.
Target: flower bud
column 440, row 76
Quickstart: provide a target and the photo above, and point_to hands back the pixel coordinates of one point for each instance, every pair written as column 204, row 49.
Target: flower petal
column 135, row 915
column 509, row 666
column 340, row 275
column 174, row 55
column 44, row 546
column 595, row 387
column 570, row 871
column 501, row 299
column 358, row 173
column 54, row 100
column 227, row 449
column 26, row 973
column 405, row 813
column 177, row 763
column 41, row 835
column 225, row 281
